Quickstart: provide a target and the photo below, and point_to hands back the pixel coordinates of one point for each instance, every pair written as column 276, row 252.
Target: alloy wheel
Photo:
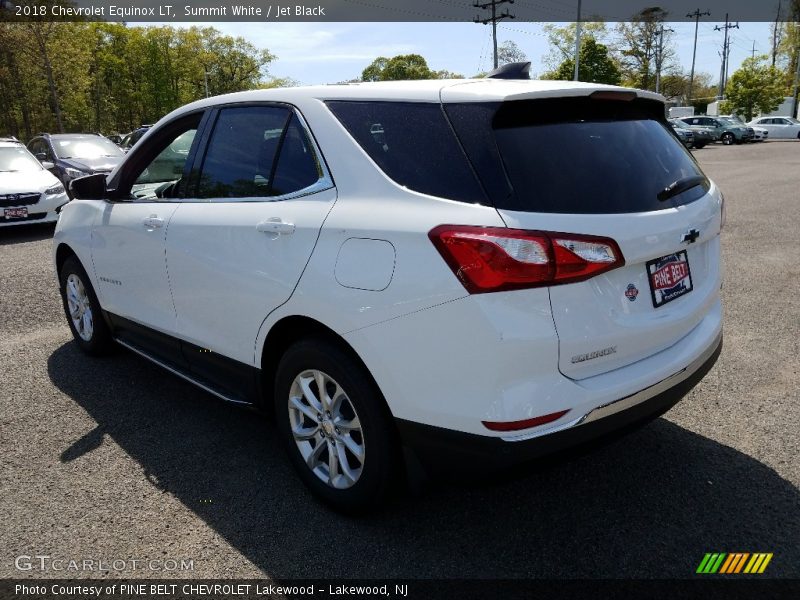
column 326, row 429
column 80, row 308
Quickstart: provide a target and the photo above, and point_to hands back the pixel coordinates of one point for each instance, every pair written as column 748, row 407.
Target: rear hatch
column 598, row 165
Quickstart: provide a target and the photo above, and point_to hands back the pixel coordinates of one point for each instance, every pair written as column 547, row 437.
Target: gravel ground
column 114, row 459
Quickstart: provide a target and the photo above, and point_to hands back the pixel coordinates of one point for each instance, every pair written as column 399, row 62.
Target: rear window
column 413, row 144
column 575, row 155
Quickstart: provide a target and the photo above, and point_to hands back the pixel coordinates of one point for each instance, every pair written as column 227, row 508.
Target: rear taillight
column 723, row 215
column 493, row 259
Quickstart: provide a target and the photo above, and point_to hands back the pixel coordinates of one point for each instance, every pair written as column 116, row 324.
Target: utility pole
column 494, row 19
column 797, row 87
column 754, row 48
column 725, row 53
column 577, row 44
column 775, row 34
column 660, row 55
column 696, row 14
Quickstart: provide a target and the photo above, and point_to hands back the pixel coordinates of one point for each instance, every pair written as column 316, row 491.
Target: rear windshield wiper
column 681, row 185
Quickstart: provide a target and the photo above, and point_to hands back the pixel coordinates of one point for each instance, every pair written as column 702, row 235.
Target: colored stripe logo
column 733, row 563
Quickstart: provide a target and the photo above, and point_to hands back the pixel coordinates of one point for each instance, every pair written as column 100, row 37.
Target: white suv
column 475, row 271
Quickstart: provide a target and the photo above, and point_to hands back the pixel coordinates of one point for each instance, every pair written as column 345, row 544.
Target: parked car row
column 730, row 129
column 28, row 191
column 35, row 180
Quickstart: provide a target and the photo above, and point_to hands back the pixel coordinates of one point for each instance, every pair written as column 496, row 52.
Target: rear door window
column 258, row 152
column 241, row 153
column 575, row 155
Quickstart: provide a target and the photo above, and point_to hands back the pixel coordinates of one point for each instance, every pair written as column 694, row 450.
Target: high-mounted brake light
column 623, row 96
column 493, row 259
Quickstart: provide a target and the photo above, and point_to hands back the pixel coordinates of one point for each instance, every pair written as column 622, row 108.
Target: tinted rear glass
column 413, row 144
column 575, row 155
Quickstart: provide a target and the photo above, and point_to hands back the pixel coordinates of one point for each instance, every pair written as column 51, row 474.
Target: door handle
column 153, row 221
column 275, row 225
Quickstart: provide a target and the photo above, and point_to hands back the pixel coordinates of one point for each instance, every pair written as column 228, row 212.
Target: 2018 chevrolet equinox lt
column 475, row 271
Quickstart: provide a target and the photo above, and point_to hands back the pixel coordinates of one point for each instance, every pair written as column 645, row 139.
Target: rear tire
column 700, row 146
column 82, row 309
column 341, row 442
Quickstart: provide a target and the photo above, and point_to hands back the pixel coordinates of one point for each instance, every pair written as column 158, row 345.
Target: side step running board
column 182, row 375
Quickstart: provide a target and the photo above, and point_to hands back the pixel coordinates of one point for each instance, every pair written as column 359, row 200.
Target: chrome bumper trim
column 627, row 402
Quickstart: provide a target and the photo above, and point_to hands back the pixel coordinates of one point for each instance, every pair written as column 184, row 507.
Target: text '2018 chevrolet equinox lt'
column 457, row 273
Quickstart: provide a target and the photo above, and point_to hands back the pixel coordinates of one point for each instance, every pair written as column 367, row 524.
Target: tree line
column 108, row 77
column 111, row 78
column 641, row 54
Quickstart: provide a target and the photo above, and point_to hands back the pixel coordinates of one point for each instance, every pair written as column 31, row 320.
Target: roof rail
column 515, row 70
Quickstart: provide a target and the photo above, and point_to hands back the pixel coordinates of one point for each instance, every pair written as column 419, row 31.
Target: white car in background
column 780, row 128
column 29, row 193
column 478, row 271
column 759, row 134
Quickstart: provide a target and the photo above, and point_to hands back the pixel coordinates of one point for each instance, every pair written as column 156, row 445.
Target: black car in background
column 72, row 155
column 134, row 136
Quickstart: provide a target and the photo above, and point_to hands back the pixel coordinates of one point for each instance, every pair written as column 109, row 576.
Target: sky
column 321, row 52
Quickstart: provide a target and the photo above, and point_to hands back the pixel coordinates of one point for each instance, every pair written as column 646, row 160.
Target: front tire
column 83, row 312
column 728, row 139
column 335, row 426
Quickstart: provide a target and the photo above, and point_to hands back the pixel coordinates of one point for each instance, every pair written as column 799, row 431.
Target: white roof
column 428, row 90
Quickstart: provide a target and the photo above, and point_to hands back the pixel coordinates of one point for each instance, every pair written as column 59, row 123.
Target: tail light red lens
column 525, row 424
column 493, row 259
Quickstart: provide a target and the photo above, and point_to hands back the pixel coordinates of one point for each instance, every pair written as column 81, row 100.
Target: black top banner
column 397, row 10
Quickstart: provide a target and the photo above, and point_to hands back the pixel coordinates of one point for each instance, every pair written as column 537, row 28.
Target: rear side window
column 575, row 155
column 413, row 144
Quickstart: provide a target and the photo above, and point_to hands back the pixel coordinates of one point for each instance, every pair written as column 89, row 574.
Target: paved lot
column 114, row 459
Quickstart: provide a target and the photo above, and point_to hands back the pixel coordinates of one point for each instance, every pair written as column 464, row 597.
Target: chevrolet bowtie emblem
column 690, row 237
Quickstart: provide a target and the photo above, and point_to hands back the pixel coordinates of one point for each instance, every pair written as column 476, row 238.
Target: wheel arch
column 63, row 252
column 291, row 329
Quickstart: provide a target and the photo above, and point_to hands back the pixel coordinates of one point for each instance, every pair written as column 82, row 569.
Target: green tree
column 755, row 87
column 638, row 47
column 509, row 52
column 596, row 65
column 110, row 77
column 562, row 40
column 401, row 67
column 374, row 72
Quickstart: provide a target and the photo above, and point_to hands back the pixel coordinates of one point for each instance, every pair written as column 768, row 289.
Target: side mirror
column 89, row 187
column 41, row 156
column 47, row 165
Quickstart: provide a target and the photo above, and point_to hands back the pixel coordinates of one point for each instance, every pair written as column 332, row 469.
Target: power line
column 494, row 19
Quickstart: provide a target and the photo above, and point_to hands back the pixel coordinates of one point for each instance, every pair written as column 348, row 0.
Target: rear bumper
column 439, row 449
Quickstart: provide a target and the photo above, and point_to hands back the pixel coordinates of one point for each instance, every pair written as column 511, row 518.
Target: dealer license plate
column 15, row 213
column 670, row 277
